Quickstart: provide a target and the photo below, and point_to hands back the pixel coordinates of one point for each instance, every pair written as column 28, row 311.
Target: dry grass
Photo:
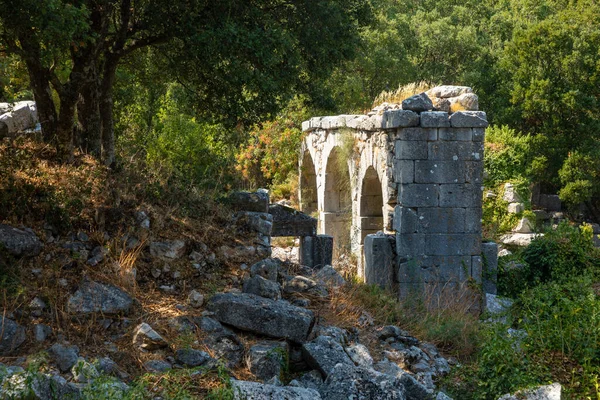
column 402, row 93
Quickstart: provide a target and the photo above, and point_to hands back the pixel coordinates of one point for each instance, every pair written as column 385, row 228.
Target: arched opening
column 336, row 218
column 371, row 207
column 308, row 186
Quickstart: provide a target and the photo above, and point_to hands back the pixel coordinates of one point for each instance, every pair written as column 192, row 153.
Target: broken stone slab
column 243, row 390
column 262, row 287
column 168, row 250
column 418, row 103
column 399, row 119
column 324, row 353
column 524, row 226
column 274, row 318
column 146, row 338
column 464, row 102
column 350, row 382
column 225, row 346
column 250, row 201
column 469, row 119
column 20, row 243
column 65, row 357
column 379, row 260
column 267, row 359
column 12, row 335
column 489, row 251
column 290, row 222
column 519, row 239
column 93, row 297
column 547, row 392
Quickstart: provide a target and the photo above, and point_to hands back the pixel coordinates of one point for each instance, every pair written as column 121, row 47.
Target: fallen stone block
column 94, row 297
column 274, row 318
column 324, row 353
column 243, row 390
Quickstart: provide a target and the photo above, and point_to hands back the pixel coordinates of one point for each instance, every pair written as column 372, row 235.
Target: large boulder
column 262, row 287
column 19, row 242
column 324, row 353
column 274, row 318
column 12, row 335
column 349, row 382
column 93, row 297
column 243, row 390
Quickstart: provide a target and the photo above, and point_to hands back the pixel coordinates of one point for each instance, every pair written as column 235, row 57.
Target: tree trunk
column 106, row 111
column 65, row 125
column 88, row 111
column 39, row 78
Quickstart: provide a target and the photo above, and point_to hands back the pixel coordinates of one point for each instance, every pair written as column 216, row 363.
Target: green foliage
column 562, row 253
column 580, row 179
column 496, row 218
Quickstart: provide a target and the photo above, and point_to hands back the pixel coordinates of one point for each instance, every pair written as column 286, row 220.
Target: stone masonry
column 412, row 173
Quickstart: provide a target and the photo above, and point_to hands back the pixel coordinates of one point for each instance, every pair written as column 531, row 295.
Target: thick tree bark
column 88, row 111
column 106, row 111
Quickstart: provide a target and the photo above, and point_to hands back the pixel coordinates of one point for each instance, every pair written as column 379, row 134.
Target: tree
column 241, row 57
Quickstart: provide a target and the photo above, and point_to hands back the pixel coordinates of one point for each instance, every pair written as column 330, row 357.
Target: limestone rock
column 84, row 371
column 340, row 335
column 464, row 102
column 302, row 284
column 349, row 382
column 254, row 222
column 147, row 338
column 524, row 226
column 20, row 243
column 266, row 359
column 253, row 390
column 37, row 386
column 497, row 307
column 266, row 268
column 93, row 297
column 399, row 119
column 64, row 356
column 418, row 103
column 447, row 91
column 515, row 208
column 262, row 287
column 12, row 336
column 268, row 317
column 548, row 392
column 168, row 250
column 435, row 119
column 192, row 358
column 518, row 239
column 226, row 346
column 324, row 353
column 510, row 194
column 359, row 354
column 195, row 299
column 41, row 332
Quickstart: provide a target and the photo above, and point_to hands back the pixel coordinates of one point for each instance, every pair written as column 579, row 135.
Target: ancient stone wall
column 411, row 175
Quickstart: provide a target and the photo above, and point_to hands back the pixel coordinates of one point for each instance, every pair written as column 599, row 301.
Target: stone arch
column 371, row 204
column 336, row 217
column 308, row 185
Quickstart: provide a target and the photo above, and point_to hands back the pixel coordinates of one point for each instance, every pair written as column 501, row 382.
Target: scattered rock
column 274, row 318
column 340, row 335
column 497, row 307
column 262, row 287
column 107, row 366
column 303, row 285
column 97, row 256
column 27, row 385
column 226, row 347
column 258, row 391
column 64, row 356
column 195, row 299
column 254, row 222
column 518, row 239
column 266, row 359
column 20, row 243
column 41, row 332
column 12, row 336
column 548, row 392
column 94, row 297
column 157, row 366
column 418, row 103
column 330, row 276
column 266, row 268
column 524, row 226
column 37, row 307
column 147, row 338
column 192, row 358
column 464, row 102
column 324, row 353
column 168, row 250
column 515, row 208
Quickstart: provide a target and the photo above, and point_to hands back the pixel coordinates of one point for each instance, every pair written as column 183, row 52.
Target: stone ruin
column 401, row 189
